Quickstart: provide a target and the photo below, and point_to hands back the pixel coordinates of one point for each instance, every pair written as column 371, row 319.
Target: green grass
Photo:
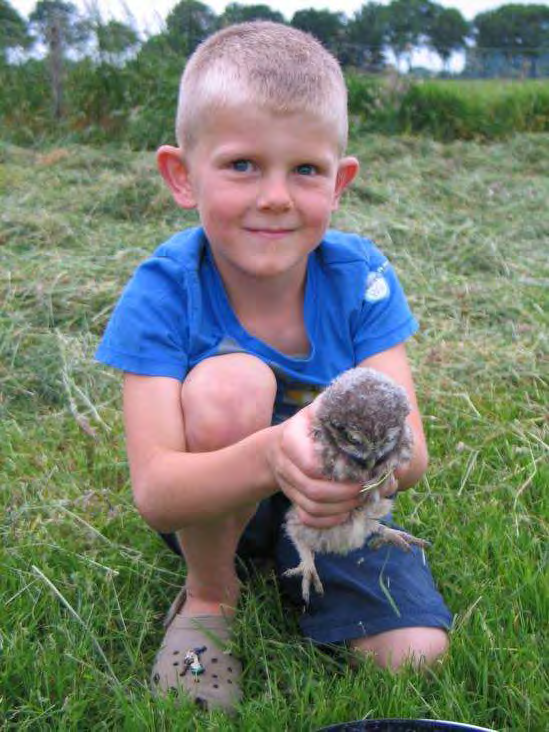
column 481, row 110
column 84, row 583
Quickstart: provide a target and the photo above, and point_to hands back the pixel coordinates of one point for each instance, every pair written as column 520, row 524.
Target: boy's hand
column 296, row 466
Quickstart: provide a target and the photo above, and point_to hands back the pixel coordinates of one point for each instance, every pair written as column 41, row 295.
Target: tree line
column 360, row 41
column 104, row 70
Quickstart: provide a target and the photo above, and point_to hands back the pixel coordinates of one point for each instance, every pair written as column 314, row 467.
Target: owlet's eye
column 354, row 437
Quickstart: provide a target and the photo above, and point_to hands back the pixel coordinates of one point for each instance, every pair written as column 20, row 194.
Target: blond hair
column 270, row 65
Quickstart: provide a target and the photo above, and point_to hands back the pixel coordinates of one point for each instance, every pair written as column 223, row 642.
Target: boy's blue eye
column 242, row 166
column 306, row 169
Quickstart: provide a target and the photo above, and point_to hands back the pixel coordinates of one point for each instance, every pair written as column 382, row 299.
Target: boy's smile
column 265, row 186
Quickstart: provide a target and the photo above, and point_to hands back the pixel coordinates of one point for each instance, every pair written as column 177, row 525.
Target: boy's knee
column 226, row 398
column 396, row 648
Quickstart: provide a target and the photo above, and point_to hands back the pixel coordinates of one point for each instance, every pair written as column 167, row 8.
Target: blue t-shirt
column 175, row 312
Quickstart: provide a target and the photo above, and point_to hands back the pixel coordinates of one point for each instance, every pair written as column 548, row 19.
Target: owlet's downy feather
column 361, row 434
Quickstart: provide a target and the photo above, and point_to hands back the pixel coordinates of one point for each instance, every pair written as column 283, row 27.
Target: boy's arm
column 173, row 488
column 394, row 363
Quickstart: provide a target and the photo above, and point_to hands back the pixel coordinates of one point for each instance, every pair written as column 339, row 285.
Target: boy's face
column 265, row 187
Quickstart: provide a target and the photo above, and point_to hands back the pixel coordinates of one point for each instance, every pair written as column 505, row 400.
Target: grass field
column 84, row 583
column 475, row 110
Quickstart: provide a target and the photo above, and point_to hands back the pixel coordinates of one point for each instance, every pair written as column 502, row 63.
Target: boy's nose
column 274, row 194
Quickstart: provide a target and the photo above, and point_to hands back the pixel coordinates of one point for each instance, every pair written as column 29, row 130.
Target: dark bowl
column 404, row 725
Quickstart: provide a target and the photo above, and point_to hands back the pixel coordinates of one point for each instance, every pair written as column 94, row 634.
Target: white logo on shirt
column 377, row 287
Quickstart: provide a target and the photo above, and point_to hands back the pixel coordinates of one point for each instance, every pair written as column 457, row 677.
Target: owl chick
column 361, row 434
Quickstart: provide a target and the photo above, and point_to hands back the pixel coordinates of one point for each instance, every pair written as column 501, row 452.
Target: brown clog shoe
column 194, row 659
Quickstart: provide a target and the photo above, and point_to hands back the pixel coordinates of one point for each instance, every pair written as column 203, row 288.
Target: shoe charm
column 192, row 661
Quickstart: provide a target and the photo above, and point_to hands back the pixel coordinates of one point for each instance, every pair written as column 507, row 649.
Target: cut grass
column 84, row 583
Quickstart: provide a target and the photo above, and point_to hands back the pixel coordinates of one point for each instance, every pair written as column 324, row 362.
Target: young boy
column 228, row 333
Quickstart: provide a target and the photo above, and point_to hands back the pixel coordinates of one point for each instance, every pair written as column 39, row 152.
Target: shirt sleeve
column 148, row 332
column 384, row 318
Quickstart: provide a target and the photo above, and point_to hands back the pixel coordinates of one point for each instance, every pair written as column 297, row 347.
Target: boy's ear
column 346, row 173
column 175, row 172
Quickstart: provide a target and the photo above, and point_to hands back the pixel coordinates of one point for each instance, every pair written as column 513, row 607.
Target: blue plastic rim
column 404, row 725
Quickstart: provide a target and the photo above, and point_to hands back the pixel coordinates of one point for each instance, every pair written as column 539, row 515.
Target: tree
column 520, row 31
column 407, row 25
column 59, row 27
column 325, row 25
column 237, row 13
column 188, row 24
column 447, row 32
column 366, row 34
column 115, row 40
column 13, row 30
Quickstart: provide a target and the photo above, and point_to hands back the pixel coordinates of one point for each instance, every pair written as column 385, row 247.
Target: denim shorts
column 366, row 592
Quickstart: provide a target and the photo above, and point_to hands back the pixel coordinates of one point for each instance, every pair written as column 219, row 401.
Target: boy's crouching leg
column 396, row 648
column 224, row 399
